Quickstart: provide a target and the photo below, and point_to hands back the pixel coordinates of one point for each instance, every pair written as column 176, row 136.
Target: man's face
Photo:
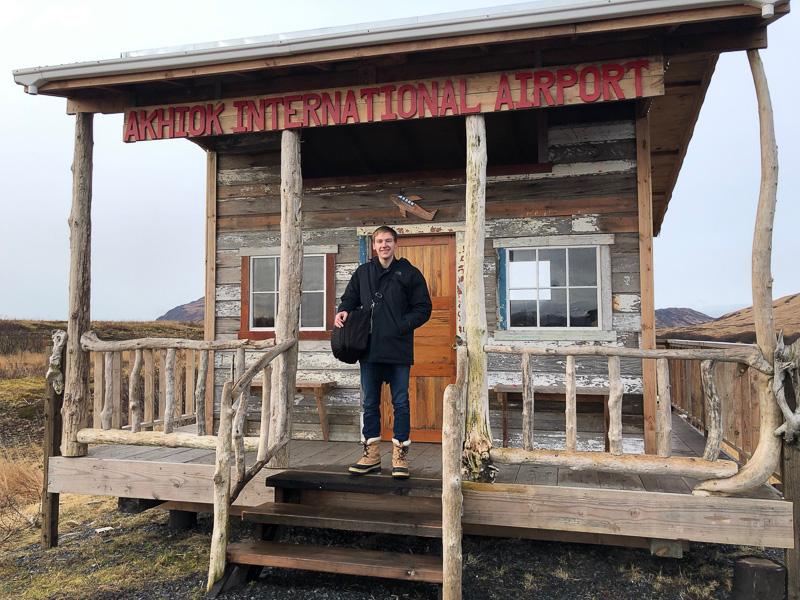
column 383, row 245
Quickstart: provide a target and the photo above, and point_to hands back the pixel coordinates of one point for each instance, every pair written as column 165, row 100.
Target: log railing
column 615, row 460
column 231, row 438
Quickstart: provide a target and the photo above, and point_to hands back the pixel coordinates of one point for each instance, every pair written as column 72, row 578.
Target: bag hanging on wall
column 349, row 343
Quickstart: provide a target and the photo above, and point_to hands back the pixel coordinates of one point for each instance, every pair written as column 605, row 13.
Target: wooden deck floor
column 425, row 461
column 532, row 501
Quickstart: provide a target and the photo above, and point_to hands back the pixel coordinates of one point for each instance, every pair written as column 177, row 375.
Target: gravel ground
column 494, row 568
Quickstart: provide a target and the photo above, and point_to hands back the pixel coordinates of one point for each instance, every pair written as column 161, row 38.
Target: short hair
column 384, row 229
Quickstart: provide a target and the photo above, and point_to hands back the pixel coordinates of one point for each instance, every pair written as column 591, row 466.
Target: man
column 404, row 305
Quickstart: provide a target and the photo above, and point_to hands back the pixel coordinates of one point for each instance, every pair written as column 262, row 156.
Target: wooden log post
column 289, row 284
column 135, row 391
column 766, row 455
column 664, row 409
column 478, row 431
column 263, row 431
column 528, row 393
column 169, row 406
column 452, row 498
column 240, row 418
column 222, row 482
column 571, row 408
column 74, row 411
column 108, row 378
column 200, row 393
column 209, row 321
column 645, row 202
column 614, row 406
column 713, row 411
column 54, row 396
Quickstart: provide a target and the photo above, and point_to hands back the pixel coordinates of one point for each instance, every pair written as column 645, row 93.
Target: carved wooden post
column 765, row 457
column 291, row 276
column 76, row 394
column 479, row 436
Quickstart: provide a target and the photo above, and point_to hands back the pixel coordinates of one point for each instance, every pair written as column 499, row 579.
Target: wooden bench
column 550, row 393
column 320, row 389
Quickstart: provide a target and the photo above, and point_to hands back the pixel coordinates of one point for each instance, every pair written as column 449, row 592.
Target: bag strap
column 378, row 296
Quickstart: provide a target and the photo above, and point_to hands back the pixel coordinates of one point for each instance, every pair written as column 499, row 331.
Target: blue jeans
column 373, row 375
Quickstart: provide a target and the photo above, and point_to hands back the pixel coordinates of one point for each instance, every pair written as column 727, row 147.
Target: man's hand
column 340, row 318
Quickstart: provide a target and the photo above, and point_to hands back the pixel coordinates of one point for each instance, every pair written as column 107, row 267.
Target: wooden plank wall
column 591, row 189
column 738, row 393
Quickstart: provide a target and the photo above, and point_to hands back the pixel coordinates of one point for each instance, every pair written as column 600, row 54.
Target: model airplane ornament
column 408, row 204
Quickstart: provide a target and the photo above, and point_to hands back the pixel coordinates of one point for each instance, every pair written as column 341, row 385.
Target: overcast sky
column 149, row 199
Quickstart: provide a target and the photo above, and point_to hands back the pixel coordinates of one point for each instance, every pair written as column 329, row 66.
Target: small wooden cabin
column 585, row 113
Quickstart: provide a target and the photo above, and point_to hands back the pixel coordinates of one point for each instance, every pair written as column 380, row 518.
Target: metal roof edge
column 509, row 17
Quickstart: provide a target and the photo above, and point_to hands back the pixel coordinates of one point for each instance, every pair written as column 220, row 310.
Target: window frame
column 247, row 331
column 567, row 287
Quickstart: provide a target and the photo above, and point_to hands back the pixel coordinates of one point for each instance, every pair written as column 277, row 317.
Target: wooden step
column 350, row 519
column 364, row 484
column 390, row 565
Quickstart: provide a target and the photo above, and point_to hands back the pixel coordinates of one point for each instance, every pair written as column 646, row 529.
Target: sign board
column 587, row 83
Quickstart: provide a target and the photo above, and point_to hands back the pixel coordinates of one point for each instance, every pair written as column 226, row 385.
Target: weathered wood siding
column 591, row 189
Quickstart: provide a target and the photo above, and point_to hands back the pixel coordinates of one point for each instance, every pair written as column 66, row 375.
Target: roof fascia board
column 535, row 15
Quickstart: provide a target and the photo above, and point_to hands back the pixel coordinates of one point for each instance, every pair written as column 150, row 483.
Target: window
column 553, row 287
column 260, row 277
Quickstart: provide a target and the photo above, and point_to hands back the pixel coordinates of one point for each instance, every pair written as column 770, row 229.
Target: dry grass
column 22, row 365
column 20, row 490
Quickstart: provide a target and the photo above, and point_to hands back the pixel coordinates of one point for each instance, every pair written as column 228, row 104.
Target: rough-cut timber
column 452, row 499
column 479, row 435
column 222, row 482
column 664, row 409
column 609, row 463
column 570, row 408
column 713, row 411
column 156, row 438
column 135, row 391
column 74, row 411
column 528, row 400
column 288, row 318
column 614, row 406
column 169, row 410
column 765, row 458
column 54, row 396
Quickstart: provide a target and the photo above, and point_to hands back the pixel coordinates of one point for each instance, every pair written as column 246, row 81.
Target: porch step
column 349, row 519
column 362, row 484
column 347, row 561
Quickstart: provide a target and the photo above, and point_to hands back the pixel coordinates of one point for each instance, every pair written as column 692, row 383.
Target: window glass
column 313, row 273
column 553, row 309
column 264, row 295
column 312, row 310
column 553, row 287
column 265, row 274
column 552, row 268
column 582, row 266
column 263, row 310
column 523, row 313
column 583, row 307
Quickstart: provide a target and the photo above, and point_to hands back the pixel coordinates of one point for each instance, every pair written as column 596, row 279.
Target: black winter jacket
column 405, row 306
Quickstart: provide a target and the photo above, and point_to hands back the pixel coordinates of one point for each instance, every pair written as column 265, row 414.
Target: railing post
column 571, row 409
column 200, row 393
column 222, row 482
column 169, row 407
column 135, row 392
column 713, row 411
column 664, row 409
column 54, row 396
column 614, row 406
column 528, row 393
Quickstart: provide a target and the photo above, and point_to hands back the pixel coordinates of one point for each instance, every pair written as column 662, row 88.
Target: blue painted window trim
column 362, row 248
column 502, row 288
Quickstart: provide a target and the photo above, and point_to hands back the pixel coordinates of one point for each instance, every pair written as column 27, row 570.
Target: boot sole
column 365, row 470
column 401, row 475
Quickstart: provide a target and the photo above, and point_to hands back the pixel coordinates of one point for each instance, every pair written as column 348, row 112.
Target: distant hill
column 186, row 313
column 738, row 326
column 679, row 317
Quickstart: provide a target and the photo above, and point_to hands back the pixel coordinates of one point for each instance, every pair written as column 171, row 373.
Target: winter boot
column 400, row 459
column 371, row 461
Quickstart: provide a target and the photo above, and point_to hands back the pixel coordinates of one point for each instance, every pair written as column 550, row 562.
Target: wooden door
column 434, row 357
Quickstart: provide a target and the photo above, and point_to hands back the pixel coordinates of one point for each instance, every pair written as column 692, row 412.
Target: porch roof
column 692, row 34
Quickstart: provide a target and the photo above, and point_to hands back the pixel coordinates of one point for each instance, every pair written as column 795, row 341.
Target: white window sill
column 590, row 335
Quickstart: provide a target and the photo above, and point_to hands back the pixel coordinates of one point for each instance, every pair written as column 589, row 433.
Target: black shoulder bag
column 349, row 343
